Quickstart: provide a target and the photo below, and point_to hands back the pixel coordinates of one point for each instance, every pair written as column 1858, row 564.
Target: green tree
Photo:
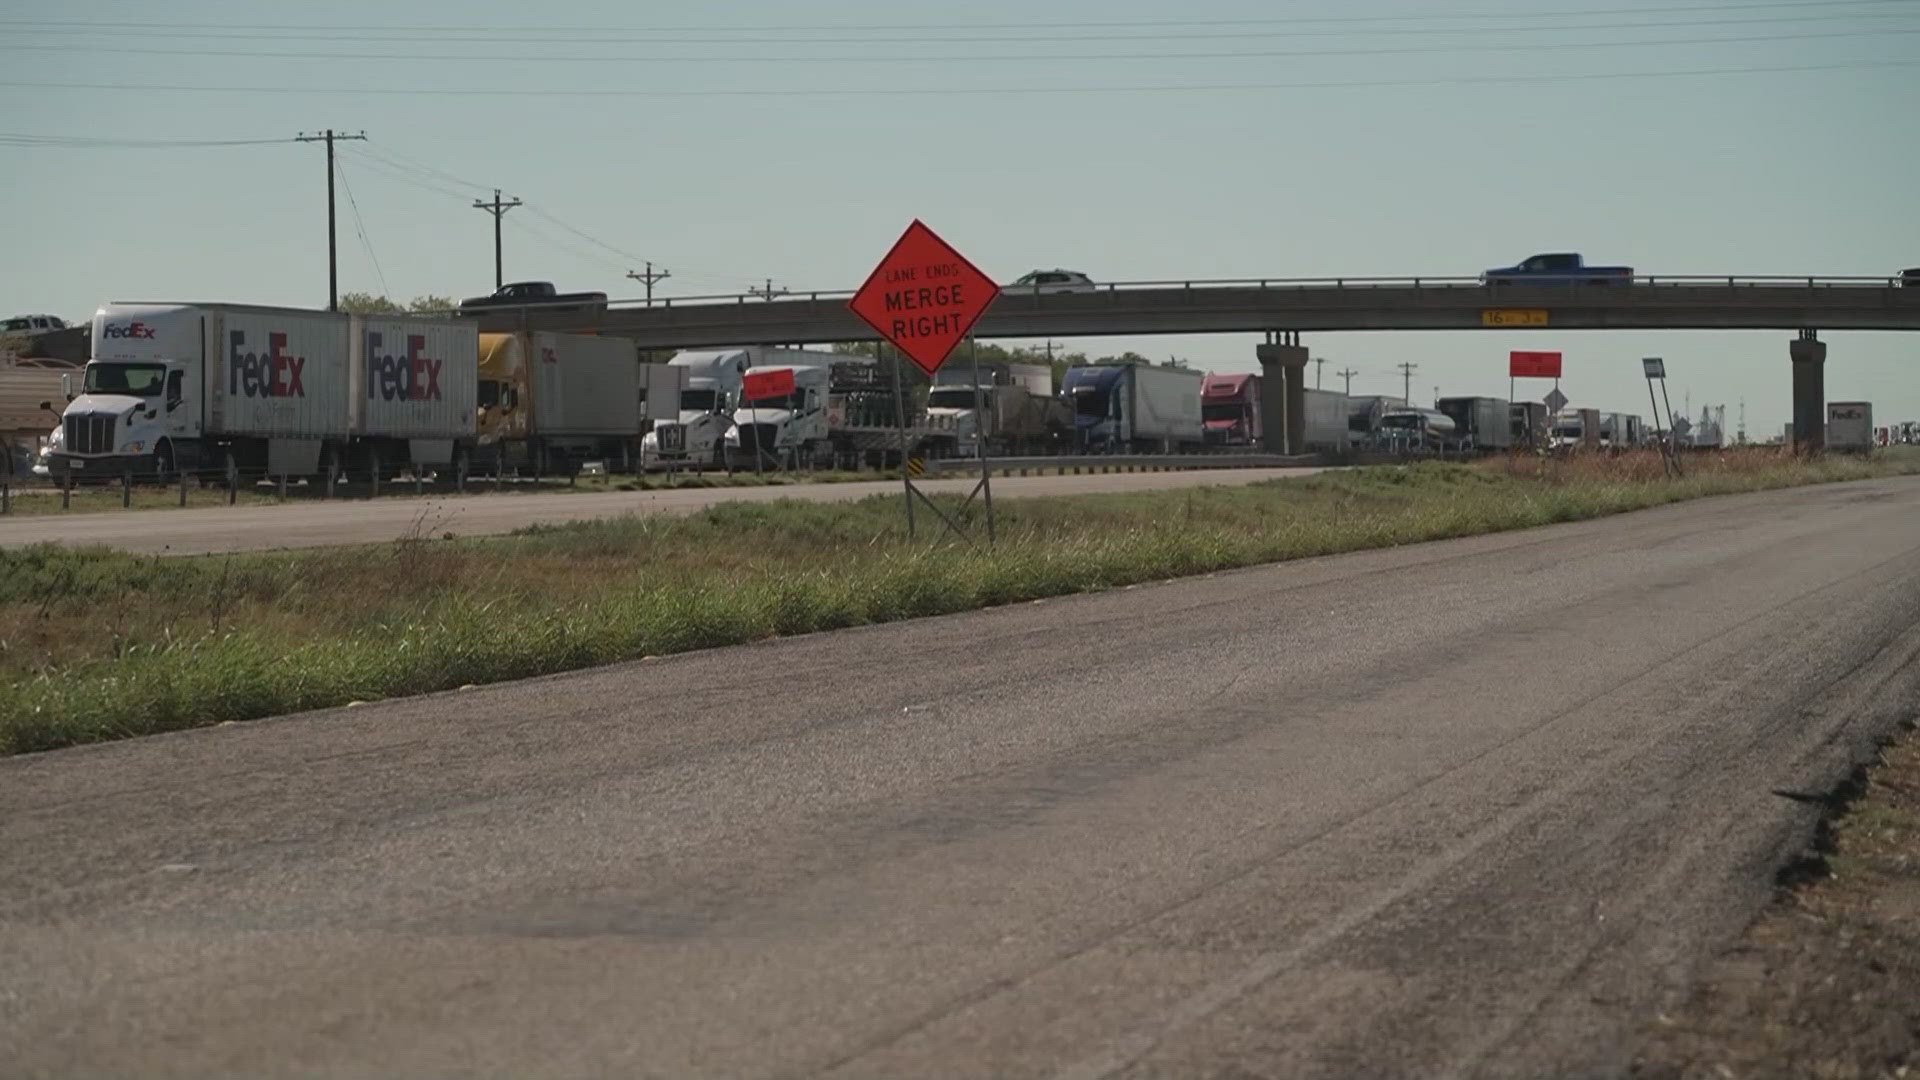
column 360, row 303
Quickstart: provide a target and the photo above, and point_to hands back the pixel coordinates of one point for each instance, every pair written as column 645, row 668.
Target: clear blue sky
column 737, row 140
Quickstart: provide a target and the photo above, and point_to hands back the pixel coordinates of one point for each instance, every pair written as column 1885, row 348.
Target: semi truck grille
column 89, row 433
column 757, row 436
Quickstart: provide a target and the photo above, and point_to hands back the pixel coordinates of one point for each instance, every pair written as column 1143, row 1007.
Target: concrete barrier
column 1092, row 463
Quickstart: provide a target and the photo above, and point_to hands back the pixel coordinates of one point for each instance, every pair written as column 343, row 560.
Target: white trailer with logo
column 1850, row 426
column 281, row 390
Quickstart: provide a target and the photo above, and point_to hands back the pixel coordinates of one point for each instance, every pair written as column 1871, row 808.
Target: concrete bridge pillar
column 1283, row 393
column 1809, row 355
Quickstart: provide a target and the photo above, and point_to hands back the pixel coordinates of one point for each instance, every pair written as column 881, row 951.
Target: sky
column 737, row 142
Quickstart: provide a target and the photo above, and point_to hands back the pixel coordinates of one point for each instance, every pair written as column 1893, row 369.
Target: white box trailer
column 1327, row 427
column 585, row 385
column 1850, row 425
column 415, row 378
column 196, row 385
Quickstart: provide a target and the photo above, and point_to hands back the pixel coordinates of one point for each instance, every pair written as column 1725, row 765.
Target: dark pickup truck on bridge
column 1558, row 269
column 538, row 295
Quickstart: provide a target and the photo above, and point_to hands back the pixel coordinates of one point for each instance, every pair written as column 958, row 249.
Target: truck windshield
column 1088, row 401
column 1220, row 412
column 1567, row 431
column 698, row 400
column 950, row 397
column 140, row 380
column 795, row 402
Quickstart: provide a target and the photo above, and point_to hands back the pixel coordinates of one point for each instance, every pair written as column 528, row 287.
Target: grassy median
column 97, row 645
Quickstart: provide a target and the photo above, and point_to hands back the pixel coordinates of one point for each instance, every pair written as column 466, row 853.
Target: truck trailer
column 28, row 387
column 1134, row 407
column 552, row 401
column 1480, row 423
column 294, row 392
column 1011, row 408
column 1329, row 430
column 1850, row 426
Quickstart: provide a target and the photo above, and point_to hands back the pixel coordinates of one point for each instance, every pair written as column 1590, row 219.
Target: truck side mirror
column 66, row 386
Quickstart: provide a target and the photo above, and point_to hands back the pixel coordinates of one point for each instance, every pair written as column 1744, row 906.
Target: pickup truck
column 1558, row 269
column 538, row 295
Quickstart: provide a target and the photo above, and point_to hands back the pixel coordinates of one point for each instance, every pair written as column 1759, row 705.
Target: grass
column 98, row 645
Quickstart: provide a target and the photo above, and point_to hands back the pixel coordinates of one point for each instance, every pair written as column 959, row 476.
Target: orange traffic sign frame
column 924, row 297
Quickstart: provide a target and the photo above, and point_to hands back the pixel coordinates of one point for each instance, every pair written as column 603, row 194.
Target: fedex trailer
column 294, row 392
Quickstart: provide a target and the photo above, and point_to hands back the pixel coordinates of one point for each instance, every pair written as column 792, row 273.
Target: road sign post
column 924, row 297
column 1532, row 364
column 1656, row 368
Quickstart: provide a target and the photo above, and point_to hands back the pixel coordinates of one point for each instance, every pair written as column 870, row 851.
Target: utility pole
column 498, row 209
column 650, row 277
column 333, row 249
column 1348, row 375
column 1406, row 381
column 1319, row 365
column 767, row 291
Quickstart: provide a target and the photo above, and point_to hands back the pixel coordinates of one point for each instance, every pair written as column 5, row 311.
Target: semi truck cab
column 782, row 410
column 137, row 407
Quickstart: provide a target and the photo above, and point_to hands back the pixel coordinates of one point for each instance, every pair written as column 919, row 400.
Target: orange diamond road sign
column 924, row 297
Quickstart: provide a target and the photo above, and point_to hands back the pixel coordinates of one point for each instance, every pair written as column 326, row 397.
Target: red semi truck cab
column 1230, row 410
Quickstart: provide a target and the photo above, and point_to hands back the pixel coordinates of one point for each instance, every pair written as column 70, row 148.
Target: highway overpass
column 1317, row 305
column 1285, row 308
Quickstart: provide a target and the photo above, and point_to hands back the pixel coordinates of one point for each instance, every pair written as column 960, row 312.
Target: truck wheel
column 163, row 464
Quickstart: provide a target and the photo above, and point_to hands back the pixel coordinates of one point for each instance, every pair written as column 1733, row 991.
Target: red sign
column 924, row 297
column 1533, row 365
column 770, row 383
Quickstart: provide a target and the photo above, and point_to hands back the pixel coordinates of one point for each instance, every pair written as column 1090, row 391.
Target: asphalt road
column 208, row 530
column 1474, row 808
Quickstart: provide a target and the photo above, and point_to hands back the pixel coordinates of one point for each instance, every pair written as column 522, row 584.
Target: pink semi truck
column 1230, row 410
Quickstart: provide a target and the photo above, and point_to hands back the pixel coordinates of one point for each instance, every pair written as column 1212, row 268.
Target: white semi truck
column 698, row 434
column 294, row 392
column 1011, row 406
column 842, row 410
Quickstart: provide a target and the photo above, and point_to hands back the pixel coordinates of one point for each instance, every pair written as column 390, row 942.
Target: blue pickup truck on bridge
column 1558, row 269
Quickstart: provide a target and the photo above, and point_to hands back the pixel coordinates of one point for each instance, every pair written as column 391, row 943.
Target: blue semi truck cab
column 1565, row 268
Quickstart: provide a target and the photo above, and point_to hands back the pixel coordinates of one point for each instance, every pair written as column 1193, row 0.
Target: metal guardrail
column 962, row 468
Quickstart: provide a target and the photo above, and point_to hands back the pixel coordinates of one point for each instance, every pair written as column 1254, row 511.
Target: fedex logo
column 129, row 330
column 269, row 374
column 408, row 377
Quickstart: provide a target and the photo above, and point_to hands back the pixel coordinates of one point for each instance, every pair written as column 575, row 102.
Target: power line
column 1263, row 54
column 393, row 173
column 943, row 39
column 921, row 91
column 360, row 226
column 519, row 32
column 399, row 160
column 427, row 178
column 88, row 142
